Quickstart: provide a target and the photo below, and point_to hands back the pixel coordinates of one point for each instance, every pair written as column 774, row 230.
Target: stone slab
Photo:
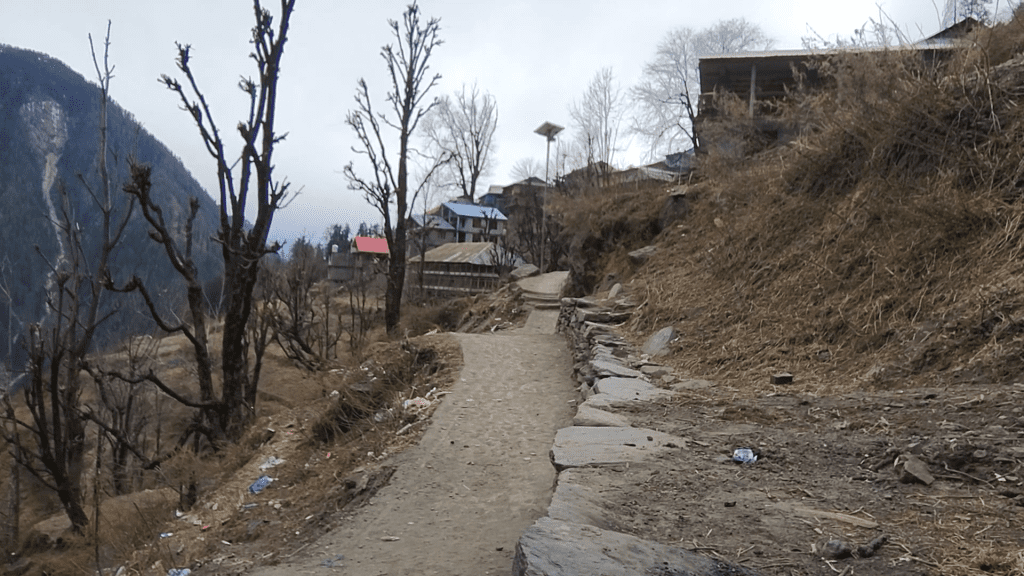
column 609, row 340
column 606, row 401
column 632, row 389
column 655, row 370
column 573, row 502
column 554, row 548
column 590, row 416
column 604, row 368
column 578, row 446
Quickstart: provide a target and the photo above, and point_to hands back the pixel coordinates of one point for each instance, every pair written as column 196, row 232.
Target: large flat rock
column 631, row 389
column 607, row 446
column 554, row 548
column 587, row 415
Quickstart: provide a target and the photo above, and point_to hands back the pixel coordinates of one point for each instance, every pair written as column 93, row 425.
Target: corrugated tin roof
column 433, row 221
column 461, row 253
column 474, row 211
column 371, row 245
column 769, row 54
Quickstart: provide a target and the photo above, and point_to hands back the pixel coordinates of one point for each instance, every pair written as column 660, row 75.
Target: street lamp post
column 548, row 131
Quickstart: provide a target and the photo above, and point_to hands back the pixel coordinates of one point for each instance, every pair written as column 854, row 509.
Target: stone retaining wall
column 578, row 537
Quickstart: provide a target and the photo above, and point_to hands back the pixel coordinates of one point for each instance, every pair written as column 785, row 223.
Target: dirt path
column 460, row 500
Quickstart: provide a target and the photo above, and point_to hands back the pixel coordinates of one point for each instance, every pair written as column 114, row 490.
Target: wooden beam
column 753, row 88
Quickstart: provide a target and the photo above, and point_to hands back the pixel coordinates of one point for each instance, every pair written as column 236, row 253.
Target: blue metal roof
column 474, row 211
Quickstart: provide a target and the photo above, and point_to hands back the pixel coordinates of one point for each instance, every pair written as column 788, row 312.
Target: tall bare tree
column 242, row 244
column 666, row 97
column 462, row 126
column 408, row 65
column 597, row 116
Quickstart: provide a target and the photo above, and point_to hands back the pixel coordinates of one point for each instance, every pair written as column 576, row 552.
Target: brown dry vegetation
column 877, row 258
column 332, row 427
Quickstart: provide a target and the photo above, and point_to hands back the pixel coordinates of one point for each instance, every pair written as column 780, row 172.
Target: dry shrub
column 395, row 371
column 423, row 317
column 600, row 222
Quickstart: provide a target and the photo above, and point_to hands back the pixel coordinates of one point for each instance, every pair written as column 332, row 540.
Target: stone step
column 554, row 548
column 578, row 446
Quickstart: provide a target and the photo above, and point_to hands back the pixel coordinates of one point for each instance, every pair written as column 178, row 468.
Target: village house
column 428, row 231
column 460, row 269
column 495, row 198
column 473, row 223
column 366, row 257
column 760, row 79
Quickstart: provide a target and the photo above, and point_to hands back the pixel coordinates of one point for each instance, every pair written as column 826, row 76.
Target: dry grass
column 880, row 250
column 600, row 225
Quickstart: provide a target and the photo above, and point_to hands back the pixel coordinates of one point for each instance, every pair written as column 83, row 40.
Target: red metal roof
column 372, row 245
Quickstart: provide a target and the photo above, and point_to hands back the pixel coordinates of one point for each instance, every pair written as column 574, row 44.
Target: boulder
column 578, row 446
column 555, row 548
column 913, row 469
column 589, row 416
column 657, row 345
column 615, row 291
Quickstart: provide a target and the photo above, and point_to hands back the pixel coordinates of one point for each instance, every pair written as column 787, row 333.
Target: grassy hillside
column 882, row 246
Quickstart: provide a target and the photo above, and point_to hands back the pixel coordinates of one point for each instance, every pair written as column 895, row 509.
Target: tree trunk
column 9, row 536
column 396, row 282
column 239, row 397
column 70, row 495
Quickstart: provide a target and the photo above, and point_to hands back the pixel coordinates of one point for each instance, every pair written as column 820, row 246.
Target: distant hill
column 49, row 116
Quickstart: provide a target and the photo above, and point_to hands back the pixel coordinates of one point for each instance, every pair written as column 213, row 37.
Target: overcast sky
column 534, row 56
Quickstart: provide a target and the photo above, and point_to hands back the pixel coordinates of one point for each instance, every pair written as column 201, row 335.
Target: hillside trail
column 460, row 499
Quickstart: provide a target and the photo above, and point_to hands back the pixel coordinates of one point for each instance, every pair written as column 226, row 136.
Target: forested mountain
column 49, row 118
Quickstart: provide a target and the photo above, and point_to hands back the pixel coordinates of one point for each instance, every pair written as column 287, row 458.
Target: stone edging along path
column 578, row 536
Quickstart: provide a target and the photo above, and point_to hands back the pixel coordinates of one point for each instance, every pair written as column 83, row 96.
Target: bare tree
column 597, row 116
column 123, row 416
column 666, row 97
column 303, row 331
column 51, row 445
column 463, row 127
column 428, row 191
column 407, row 64
column 729, row 36
column 526, row 168
column 242, row 244
column 957, row 10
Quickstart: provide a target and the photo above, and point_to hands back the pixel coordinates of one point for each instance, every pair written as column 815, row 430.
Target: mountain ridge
column 49, row 138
